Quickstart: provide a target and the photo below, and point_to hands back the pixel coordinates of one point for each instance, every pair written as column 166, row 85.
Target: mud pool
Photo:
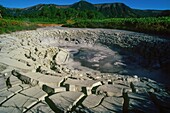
column 118, row 61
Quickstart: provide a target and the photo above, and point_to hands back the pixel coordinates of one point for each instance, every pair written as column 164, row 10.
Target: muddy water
column 118, row 61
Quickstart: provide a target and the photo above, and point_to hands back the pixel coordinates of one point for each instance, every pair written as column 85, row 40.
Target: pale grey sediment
column 38, row 74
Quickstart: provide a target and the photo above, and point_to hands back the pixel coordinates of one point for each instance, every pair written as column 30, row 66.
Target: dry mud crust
column 34, row 76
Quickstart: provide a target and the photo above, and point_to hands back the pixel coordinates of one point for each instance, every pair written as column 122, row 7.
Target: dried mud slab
column 38, row 73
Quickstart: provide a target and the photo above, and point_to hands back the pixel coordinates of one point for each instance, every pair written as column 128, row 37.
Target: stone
column 10, row 110
column 111, row 90
column 5, row 94
column 162, row 101
column 85, row 86
column 139, row 84
column 38, row 78
column 35, row 92
column 16, row 52
column 109, row 105
column 27, row 78
column 41, row 107
column 122, row 82
column 14, row 80
column 113, row 103
column 141, row 102
column 24, row 59
column 53, row 89
column 50, row 80
column 64, row 101
column 100, row 109
column 2, row 83
column 15, row 89
column 7, row 71
column 62, row 57
column 139, row 87
column 32, row 75
column 24, row 86
column 132, row 79
column 14, row 63
column 92, row 100
column 21, row 102
column 153, row 86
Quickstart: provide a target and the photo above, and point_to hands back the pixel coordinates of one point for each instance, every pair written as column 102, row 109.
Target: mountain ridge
column 108, row 10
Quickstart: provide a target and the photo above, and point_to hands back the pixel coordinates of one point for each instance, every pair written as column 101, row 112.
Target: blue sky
column 138, row 4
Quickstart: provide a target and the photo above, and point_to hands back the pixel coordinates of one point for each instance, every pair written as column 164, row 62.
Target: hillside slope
column 82, row 9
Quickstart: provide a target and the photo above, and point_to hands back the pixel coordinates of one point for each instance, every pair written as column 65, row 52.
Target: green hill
column 80, row 10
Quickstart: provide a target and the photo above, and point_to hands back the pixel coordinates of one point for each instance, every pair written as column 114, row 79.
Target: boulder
column 62, row 57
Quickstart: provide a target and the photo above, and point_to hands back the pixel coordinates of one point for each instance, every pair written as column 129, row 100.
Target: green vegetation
column 39, row 20
column 153, row 25
column 7, row 26
column 50, row 12
column 86, row 15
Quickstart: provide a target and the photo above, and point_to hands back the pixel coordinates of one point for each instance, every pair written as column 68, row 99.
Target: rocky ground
column 35, row 75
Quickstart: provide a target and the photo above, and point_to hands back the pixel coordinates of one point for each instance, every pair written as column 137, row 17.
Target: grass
column 40, row 20
column 8, row 25
column 151, row 25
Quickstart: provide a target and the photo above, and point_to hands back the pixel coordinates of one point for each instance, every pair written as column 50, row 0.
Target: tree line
column 51, row 12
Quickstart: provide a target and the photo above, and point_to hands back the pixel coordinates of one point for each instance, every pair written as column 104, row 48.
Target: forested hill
column 80, row 10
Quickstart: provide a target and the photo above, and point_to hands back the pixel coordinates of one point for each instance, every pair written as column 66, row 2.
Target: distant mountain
column 4, row 11
column 116, row 10
column 83, row 5
column 165, row 13
column 82, row 9
column 148, row 13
